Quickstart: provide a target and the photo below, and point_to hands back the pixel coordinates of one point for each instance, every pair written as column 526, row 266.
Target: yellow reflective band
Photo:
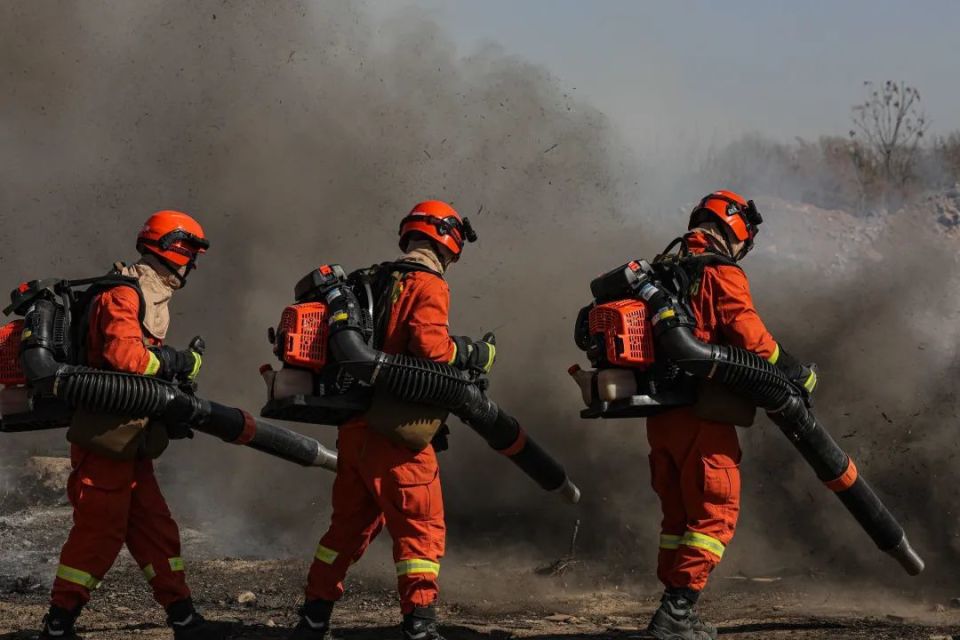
column 407, row 567
column 491, row 356
column 197, row 363
column 775, row 356
column 811, row 382
column 149, row 572
column 153, row 365
column 325, row 554
column 176, row 564
column 25, row 334
column 666, row 313
column 454, row 356
column 76, row 576
column 700, row 541
column 343, row 315
column 670, row 542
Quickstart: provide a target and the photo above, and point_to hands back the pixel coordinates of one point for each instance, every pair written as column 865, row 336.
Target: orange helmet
column 736, row 213
column 439, row 222
column 173, row 236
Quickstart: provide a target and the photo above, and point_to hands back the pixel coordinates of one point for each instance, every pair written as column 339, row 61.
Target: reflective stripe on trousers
column 326, row 555
column 76, row 576
column 176, row 564
column 693, row 539
column 407, row 567
column 670, row 542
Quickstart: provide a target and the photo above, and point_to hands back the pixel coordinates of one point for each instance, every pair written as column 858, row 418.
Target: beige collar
column 421, row 253
column 157, row 290
column 711, row 229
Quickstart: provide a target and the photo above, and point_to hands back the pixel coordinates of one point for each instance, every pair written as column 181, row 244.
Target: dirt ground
column 519, row 604
column 122, row 609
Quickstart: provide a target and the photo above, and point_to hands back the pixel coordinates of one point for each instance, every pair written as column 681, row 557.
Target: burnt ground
column 482, row 599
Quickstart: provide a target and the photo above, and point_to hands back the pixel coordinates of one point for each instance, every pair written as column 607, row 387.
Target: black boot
column 421, row 624
column 699, row 624
column 676, row 619
column 314, row 621
column 187, row 624
column 58, row 624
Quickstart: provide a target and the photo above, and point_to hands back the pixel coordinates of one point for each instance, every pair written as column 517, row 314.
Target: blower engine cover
column 624, row 328
column 302, row 336
column 301, row 342
column 11, row 371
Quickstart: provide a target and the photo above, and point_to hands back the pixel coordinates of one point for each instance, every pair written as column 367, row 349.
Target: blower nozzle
column 754, row 378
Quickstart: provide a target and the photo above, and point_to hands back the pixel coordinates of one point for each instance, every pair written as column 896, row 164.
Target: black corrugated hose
column 758, row 380
column 133, row 395
column 411, row 379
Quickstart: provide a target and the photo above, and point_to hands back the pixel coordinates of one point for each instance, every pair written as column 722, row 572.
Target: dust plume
column 301, row 132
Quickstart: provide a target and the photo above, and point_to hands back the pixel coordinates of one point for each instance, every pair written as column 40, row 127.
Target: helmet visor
column 449, row 226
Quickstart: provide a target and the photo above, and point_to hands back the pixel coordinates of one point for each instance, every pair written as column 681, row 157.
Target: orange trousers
column 116, row 503
column 380, row 483
column 694, row 469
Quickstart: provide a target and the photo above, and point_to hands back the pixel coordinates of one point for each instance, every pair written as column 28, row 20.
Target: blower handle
column 479, row 378
column 178, row 431
column 198, row 344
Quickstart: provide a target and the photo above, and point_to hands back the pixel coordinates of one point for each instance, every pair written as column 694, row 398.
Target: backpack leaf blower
column 43, row 382
column 665, row 332
column 330, row 369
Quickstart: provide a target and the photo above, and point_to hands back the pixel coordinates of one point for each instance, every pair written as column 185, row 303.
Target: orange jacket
column 724, row 308
column 116, row 339
column 419, row 318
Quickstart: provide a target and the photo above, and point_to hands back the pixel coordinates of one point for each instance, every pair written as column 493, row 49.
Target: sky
column 708, row 71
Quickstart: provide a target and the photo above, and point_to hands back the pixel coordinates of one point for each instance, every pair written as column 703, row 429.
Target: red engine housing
column 11, row 371
column 626, row 331
column 302, row 336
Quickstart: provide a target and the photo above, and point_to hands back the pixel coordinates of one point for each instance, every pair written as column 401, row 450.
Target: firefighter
column 387, row 472
column 694, row 460
column 115, row 496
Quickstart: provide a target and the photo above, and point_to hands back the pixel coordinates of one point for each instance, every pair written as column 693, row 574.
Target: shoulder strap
column 104, row 283
column 682, row 271
column 374, row 285
column 82, row 306
column 709, row 259
column 387, row 280
column 406, row 267
column 663, row 255
column 695, row 264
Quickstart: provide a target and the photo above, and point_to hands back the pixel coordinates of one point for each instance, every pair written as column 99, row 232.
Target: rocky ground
column 257, row 598
column 271, row 589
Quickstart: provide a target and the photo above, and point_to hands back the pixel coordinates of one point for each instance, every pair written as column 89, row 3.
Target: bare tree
column 888, row 128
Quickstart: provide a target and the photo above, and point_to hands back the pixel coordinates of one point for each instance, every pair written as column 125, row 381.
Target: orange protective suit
column 694, row 463
column 117, row 502
column 382, row 483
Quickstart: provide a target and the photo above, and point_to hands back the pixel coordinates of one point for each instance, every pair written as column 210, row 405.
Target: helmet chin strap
column 730, row 242
column 444, row 255
column 175, row 270
column 747, row 246
column 719, row 239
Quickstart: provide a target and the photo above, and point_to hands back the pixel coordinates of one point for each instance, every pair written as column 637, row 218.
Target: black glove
column 808, row 378
column 477, row 356
column 804, row 376
column 177, row 365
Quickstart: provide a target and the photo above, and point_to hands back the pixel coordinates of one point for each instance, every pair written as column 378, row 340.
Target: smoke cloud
column 300, row 133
